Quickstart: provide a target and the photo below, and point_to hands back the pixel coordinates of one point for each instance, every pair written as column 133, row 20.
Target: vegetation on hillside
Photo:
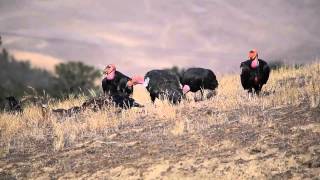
column 18, row 78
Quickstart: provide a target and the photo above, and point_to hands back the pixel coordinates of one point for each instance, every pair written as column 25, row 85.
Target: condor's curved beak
column 104, row 72
column 109, row 69
column 253, row 54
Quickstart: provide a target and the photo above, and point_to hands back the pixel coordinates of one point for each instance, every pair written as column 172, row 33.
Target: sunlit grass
column 286, row 86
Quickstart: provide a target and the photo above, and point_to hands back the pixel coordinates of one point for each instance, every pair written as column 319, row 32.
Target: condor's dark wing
column 245, row 74
column 264, row 71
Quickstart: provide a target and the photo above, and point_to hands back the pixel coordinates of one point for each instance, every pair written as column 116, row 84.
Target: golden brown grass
column 283, row 88
column 286, row 86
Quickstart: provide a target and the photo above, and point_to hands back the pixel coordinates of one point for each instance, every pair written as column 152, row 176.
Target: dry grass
column 282, row 89
column 286, row 86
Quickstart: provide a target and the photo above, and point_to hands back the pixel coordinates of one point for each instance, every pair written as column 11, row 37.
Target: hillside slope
column 232, row 136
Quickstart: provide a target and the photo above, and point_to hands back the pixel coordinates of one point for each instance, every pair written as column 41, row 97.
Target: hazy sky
column 139, row 35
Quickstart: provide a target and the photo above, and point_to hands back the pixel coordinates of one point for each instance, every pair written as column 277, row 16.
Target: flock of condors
column 161, row 84
column 165, row 83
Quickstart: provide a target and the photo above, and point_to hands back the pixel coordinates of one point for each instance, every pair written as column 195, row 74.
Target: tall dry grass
column 286, row 85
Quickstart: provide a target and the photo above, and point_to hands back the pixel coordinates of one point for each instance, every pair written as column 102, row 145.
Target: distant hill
column 159, row 34
column 37, row 60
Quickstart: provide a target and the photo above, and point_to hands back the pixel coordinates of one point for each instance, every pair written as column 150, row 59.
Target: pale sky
column 140, row 35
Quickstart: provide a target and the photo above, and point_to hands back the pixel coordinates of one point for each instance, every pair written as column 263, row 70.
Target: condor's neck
column 254, row 63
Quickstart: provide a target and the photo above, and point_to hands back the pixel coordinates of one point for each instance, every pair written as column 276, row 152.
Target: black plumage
column 124, row 102
column 199, row 79
column 98, row 103
column 254, row 78
column 120, row 101
column 13, row 104
column 163, row 83
column 118, row 85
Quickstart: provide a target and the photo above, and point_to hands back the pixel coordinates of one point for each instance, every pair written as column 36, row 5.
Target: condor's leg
column 257, row 90
column 196, row 96
column 201, row 92
column 250, row 93
column 153, row 98
column 210, row 94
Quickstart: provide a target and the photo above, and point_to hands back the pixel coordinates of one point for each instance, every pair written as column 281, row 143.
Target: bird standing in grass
column 254, row 73
column 116, row 83
column 163, row 84
column 198, row 79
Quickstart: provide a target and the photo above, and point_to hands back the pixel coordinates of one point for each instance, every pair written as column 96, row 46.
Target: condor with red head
column 254, row 73
column 116, row 83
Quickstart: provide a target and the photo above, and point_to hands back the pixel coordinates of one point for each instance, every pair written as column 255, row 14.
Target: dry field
column 231, row 136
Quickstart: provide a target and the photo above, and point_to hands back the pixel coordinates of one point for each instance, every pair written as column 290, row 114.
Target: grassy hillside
column 276, row 135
